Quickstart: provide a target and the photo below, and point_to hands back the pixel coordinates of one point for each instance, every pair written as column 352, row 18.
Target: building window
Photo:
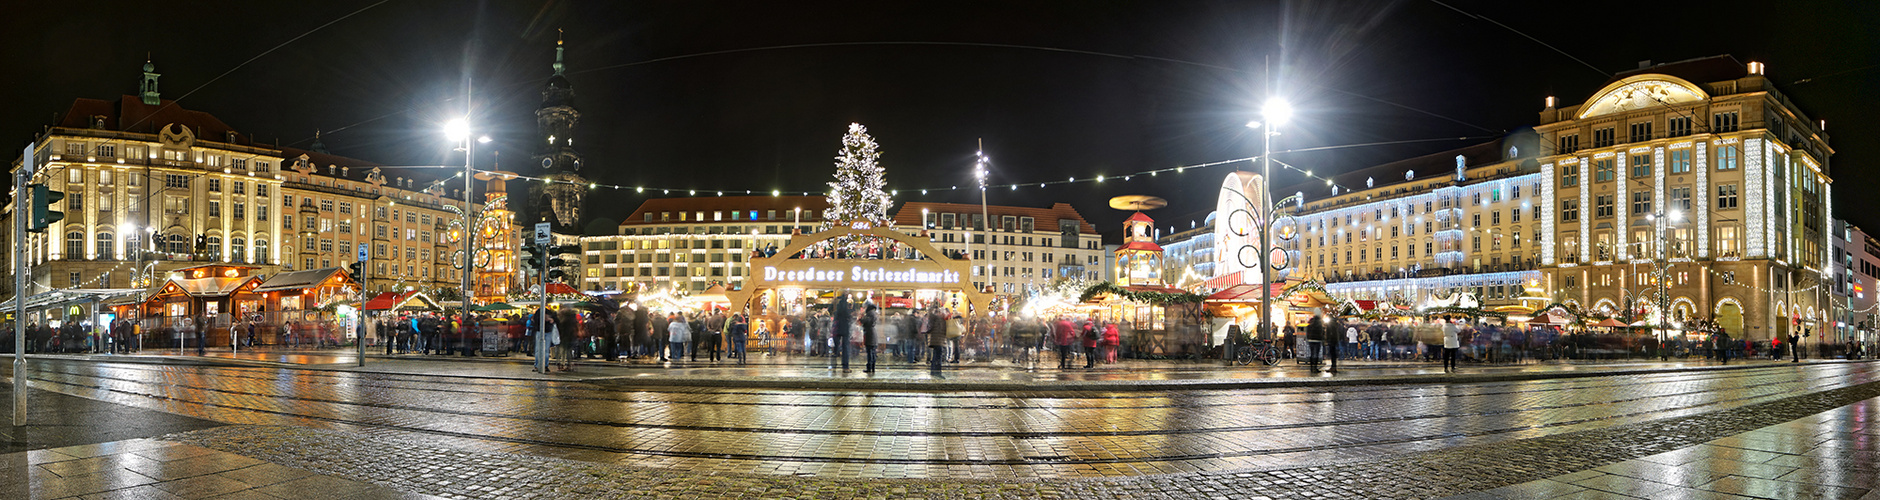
column 1603, row 170
column 1569, row 144
column 1569, row 177
column 74, row 245
column 215, row 208
column 1723, row 122
column 1602, row 137
column 261, row 212
column 1726, row 157
column 1680, row 198
column 106, row 246
column 1641, row 165
column 345, row 207
column 74, row 202
column 215, row 185
column 1729, row 242
column 1641, row 203
column 326, row 205
column 1602, row 206
column 1678, row 127
column 241, row 211
column 1726, row 196
column 1641, row 131
column 1681, row 161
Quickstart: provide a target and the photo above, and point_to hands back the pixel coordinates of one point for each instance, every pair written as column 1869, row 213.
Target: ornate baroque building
column 152, row 186
column 1702, row 165
column 1700, row 170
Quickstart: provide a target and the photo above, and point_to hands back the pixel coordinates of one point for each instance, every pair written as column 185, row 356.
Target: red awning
column 387, row 300
column 1141, row 245
column 561, row 288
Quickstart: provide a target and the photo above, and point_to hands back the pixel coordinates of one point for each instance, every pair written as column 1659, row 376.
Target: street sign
column 541, row 233
column 362, row 252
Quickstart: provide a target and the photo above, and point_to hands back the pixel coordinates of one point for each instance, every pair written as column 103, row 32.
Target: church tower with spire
column 559, row 200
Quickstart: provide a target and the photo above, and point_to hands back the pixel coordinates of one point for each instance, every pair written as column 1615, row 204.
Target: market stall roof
column 295, row 280
column 402, row 300
column 206, row 287
column 1245, row 293
column 1141, row 245
column 1609, row 323
column 495, row 306
column 561, row 289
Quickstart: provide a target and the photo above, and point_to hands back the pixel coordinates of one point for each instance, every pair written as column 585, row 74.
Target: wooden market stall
column 202, row 300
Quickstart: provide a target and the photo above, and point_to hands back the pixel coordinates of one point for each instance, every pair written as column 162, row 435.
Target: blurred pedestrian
column 1064, row 335
column 677, row 333
column 1452, row 341
column 842, row 318
column 870, row 315
column 739, row 332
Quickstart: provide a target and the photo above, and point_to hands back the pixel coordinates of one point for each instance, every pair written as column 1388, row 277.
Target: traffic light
column 44, row 197
column 555, row 262
column 356, row 271
column 534, row 259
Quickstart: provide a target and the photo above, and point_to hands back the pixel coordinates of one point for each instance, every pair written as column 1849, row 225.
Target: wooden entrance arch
column 929, row 270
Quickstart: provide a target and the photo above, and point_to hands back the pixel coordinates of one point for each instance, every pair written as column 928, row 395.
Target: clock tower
column 558, row 201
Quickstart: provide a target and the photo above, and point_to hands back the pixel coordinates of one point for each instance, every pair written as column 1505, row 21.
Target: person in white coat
column 1452, row 340
column 678, row 333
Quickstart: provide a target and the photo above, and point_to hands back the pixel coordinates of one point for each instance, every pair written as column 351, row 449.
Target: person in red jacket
column 1111, row 339
column 1066, row 336
column 1092, row 337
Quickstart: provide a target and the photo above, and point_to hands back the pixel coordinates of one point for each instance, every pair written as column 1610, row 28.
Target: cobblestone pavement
column 1810, row 445
column 878, row 434
column 148, row 469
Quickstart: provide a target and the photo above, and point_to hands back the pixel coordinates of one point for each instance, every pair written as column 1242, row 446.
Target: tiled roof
column 784, row 205
column 1043, row 219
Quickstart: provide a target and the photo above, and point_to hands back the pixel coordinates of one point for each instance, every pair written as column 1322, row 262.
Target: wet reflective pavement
column 1036, row 434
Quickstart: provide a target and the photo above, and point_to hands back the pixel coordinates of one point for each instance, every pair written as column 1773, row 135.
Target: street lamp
column 458, row 130
column 1276, row 112
column 985, row 214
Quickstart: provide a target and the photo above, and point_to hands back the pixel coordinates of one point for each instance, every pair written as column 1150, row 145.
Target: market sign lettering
column 858, row 274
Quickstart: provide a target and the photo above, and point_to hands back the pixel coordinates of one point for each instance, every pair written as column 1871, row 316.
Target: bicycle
column 1263, row 352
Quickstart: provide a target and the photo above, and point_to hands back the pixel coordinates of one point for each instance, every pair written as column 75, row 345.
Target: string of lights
column 1013, row 186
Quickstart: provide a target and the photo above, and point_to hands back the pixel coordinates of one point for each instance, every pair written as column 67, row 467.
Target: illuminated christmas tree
column 857, row 198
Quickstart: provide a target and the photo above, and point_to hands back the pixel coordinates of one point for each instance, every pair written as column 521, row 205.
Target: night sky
column 1110, row 87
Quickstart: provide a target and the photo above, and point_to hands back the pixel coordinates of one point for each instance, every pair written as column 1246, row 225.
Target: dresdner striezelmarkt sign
column 909, row 273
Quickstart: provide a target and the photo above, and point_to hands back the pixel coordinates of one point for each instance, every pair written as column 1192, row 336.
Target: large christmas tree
column 857, row 198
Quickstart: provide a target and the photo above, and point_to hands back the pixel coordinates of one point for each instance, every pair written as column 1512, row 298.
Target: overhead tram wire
column 1557, row 50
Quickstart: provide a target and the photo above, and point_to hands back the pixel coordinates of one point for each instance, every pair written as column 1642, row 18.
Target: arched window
column 175, row 243
column 261, row 251
column 238, row 249
column 215, row 248
column 75, row 245
column 107, row 248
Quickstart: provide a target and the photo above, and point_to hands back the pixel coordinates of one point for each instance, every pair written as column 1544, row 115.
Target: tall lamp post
column 459, row 130
column 985, row 214
column 1275, row 112
column 1662, row 259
